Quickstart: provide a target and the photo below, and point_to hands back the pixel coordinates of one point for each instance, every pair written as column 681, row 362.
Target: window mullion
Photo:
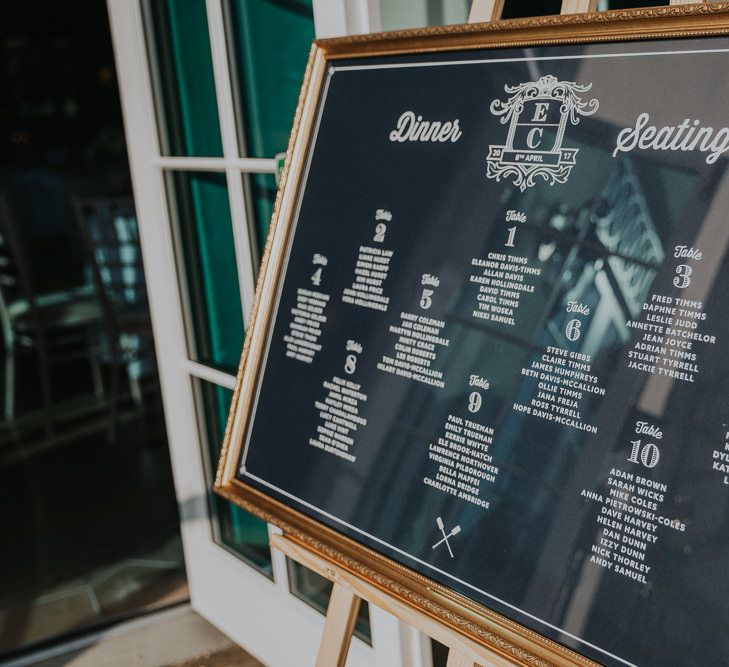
column 209, row 374
column 244, row 164
column 191, row 163
column 226, row 111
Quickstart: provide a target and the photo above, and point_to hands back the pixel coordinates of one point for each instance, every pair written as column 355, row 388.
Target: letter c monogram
column 531, row 142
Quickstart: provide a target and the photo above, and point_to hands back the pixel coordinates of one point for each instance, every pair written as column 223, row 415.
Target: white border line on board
column 445, row 63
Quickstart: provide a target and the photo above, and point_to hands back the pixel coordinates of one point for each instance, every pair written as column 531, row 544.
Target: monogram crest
column 537, row 114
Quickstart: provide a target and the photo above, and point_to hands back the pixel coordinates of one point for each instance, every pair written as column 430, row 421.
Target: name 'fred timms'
column 687, row 136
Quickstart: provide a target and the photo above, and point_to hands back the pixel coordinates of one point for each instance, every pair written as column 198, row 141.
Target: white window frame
column 259, row 614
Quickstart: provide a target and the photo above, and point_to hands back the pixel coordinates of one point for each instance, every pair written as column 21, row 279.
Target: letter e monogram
column 540, row 112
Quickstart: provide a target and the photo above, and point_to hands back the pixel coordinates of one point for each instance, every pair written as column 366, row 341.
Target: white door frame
column 259, row 614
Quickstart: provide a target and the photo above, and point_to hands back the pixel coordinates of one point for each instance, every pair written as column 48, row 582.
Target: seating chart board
column 496, row 350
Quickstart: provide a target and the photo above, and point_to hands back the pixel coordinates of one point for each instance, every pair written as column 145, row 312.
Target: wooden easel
column 349, row 590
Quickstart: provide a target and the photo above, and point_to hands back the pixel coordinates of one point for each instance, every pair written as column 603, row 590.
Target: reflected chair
column 57, row 325
column 109, row 228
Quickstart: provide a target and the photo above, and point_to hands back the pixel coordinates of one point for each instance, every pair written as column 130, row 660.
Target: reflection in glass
column 208, row 266
column 629, row 4
column 186, row 104
column 241, row 532
column 514, row 9
column 90, row 531
column 439, row 653
column 396, row 15
column 262, row 191
column 315, row 590
column 271, row 43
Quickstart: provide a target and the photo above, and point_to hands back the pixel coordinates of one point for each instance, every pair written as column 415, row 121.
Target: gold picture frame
column 499, row 634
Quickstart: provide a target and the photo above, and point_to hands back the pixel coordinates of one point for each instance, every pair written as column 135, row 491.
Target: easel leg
column 456, row 659
column 338, row 627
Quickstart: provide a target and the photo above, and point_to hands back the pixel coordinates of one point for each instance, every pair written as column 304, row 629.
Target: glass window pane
column 439, row 652
column 262, row 188
column 629, row 4
column 514, row 9
column 208, row 266
column 90, row 529
column 186, row 102
column 271, row 42
column 244, row 534
column 397, row 15
column 315, row 590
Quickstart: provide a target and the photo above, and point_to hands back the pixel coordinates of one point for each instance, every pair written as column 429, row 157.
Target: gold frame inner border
column 495, row 632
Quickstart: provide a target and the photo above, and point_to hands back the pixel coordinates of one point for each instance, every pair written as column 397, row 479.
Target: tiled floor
column 230, row 657
column 91, row 526
column 99, row 594
column 183, row 640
